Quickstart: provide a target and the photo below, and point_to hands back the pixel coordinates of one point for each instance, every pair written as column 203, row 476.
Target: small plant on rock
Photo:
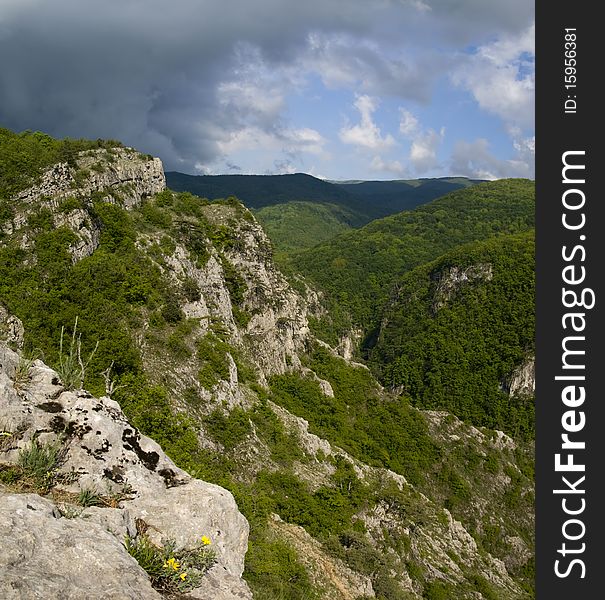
column 38, row 462
column 22, row 377
column 72, row 368
column 88, row 497
column 172, row 570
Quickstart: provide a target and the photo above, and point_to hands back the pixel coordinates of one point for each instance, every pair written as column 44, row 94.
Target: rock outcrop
column 278, row 328
column 44, row 555
column 121, row 171
column 100, row 452
column 11, row 329
column 121, row 175
column 451, row 280
column 522, row 381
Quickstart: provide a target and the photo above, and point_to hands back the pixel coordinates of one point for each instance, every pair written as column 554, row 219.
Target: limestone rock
column 45, row 556
column 102, row 452
column 522, row 381
column 450, row 281
column 349, row 343
column 123, row 170
column 11, row 329
column 122, row 176
column 278, row 328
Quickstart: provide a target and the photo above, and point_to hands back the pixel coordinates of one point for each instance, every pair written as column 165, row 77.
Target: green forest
column 451, row 347
column 357, row 268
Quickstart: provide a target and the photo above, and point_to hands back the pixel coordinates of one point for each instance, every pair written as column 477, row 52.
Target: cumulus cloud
column 501, row 77
column 423, row 153
column 408, row 124
column 424, row 142
column 344, row 61
column 393, row 167
column 287, row 141
column 475, row 160
column 366, row 133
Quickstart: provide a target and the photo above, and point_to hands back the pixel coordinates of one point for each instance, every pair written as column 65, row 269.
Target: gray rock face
column 454, row 278
column 122, row 176
column 278, row 328
column 123, row 170
column 11, row 329
column 102, row 452
column 522, row 381
column 277, row 331
column 45, row 556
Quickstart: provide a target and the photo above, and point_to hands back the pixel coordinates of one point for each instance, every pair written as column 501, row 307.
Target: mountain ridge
column 258, row 191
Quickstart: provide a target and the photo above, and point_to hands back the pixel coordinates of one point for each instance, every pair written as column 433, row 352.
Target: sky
column 340, row 89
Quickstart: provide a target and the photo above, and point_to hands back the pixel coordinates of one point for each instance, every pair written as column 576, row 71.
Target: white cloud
column 501, row 77
column 408, row 124
column 423, row 153
column 252, row 99
column 424, row 142
column 350, row 62
column 394, row 167
column 366, row 133
column 475, row 160
column 290, row 141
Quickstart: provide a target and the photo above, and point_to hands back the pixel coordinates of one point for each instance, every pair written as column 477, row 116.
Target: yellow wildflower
column 206, row 540
column 172, row 563
column 183, row 576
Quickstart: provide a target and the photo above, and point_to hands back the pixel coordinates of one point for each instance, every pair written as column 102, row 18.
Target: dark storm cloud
column 150, row 72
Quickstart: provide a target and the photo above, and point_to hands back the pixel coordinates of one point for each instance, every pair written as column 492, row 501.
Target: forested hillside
column 456, row 328
column 294, row 226
column 357, row 269
column 385, row 198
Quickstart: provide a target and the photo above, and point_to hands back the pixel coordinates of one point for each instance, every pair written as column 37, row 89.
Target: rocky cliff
column 118, row 173
column 57, row 545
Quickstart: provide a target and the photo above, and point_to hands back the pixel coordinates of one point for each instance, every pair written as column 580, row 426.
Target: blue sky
column 341, row 89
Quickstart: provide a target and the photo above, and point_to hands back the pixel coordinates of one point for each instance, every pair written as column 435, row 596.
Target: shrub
column 70, row 204
column 191, row 289
column 22, row 375
column 228, row 430
column 72, row 368
column 172, row 571
column 156, row 216
column 164, row 199
column 39, row 461
column 437, row 590
column 171, row 311
column 212, row 354
column 88, row 497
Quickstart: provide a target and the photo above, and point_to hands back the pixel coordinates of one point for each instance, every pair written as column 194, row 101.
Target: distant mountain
column 312, row 210
column 370, row 199
column 256, row 191
column 390, row 197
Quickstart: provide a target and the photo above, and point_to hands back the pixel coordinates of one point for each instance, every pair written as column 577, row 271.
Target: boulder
column 100, row 451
